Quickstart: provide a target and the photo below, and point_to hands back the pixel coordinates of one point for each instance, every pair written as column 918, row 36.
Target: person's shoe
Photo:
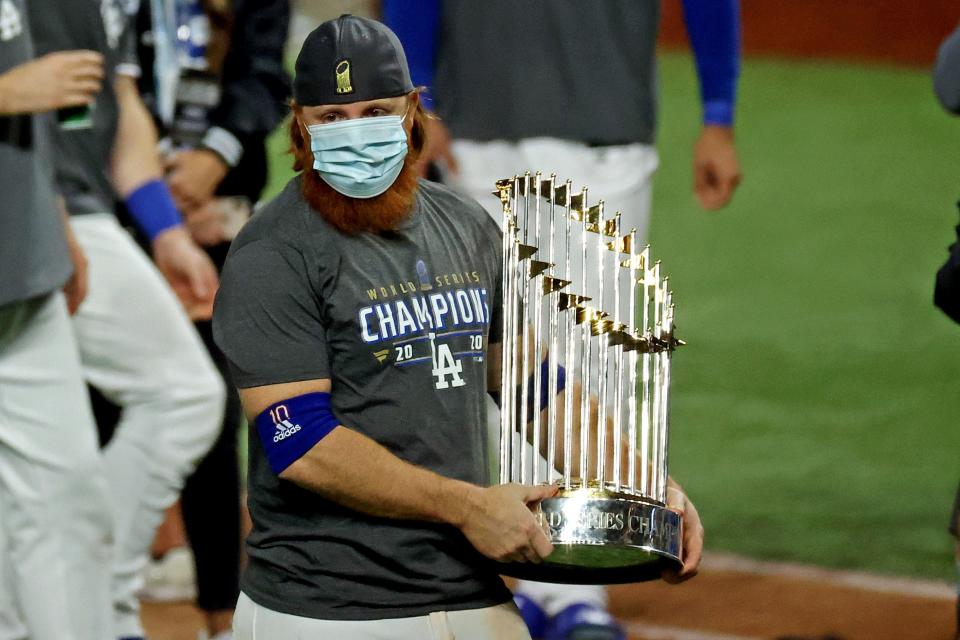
column 533, row 615
column 171, row 578
column 584, row 622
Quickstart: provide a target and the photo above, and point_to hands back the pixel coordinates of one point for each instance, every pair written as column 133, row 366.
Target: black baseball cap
column 350, row 59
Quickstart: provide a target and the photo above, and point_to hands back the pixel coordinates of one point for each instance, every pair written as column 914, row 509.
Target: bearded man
column 351, row 311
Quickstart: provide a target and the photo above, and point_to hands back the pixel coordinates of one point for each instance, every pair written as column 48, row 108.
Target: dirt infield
column 752, row 602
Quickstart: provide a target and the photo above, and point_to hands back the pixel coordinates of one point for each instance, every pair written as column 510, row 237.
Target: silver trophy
column 582, row 304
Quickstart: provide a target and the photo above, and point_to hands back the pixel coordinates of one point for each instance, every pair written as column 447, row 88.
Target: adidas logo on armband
column 285, row 429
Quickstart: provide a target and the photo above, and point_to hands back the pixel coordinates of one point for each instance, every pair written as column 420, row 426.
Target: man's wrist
column 723, row 131
column 5, row 107
column 459, row 500
column 9, row 94
column 170, row 235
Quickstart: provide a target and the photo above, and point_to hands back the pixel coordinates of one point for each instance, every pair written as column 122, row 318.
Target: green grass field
column 816, row 414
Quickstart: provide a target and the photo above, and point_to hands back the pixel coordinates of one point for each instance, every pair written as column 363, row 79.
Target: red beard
column 384, row 212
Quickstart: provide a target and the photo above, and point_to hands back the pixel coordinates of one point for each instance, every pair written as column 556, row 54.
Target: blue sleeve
column 714, row 30
column 416, row 23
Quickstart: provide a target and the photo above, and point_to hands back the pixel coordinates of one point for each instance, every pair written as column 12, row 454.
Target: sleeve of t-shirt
column 495, row 238
column 267, row 319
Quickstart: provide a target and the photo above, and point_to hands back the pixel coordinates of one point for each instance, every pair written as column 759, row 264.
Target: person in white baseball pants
column 55, row 522
column 137, row 345
column 140, row 350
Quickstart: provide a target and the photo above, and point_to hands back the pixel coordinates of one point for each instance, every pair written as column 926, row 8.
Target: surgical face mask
column 361, row 157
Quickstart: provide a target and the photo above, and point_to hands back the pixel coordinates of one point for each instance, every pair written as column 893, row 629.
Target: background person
column 137, row 346
column 215, row 97
column 55, row 521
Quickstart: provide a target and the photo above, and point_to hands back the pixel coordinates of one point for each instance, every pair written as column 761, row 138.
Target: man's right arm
column 54, row 81
column 353, row 470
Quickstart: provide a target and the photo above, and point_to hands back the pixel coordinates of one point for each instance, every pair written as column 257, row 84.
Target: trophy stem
column 537, row 294
column 667, row 356
column 655, row 426
column 515, row 325
column 602, row 346
column 553, row 342
column 525, row 461
column 571, row 345
column 618, row 371
column 632, row 392
column 506, row 360
column 585, row 354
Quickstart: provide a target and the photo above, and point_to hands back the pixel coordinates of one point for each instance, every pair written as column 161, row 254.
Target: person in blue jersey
column 568, row 87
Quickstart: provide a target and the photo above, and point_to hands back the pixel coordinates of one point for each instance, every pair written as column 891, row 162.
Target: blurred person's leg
column 211, row 511
column 139, row 349
column 11, row 619
column 54, row 501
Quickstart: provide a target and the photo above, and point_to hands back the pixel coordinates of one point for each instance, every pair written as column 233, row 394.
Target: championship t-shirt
column 400, row 323
column 33, row 249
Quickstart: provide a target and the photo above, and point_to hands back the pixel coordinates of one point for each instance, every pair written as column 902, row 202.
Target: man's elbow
column 299, row 473
column 317, row 463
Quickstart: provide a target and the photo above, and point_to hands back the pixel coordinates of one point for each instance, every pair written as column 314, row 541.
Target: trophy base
column 602, row 537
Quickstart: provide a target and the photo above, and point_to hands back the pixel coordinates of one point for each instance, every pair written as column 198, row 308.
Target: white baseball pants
column 55, row 523
column 138, row 348
column 502, row 622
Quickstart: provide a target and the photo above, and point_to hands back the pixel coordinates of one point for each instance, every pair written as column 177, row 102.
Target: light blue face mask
column 361, row 157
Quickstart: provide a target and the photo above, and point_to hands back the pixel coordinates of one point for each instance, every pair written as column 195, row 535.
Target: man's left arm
column 714, row 30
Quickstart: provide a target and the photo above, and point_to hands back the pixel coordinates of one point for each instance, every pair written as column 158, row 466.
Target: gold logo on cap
column 344, row 84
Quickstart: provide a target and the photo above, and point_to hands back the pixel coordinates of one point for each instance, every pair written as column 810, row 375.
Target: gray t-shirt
column 399, row 322
column 83, row 153
column 567, row 69
column 33, row 250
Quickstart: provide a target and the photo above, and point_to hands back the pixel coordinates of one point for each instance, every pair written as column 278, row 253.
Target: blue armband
column 151, row 207
column 290, row 428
